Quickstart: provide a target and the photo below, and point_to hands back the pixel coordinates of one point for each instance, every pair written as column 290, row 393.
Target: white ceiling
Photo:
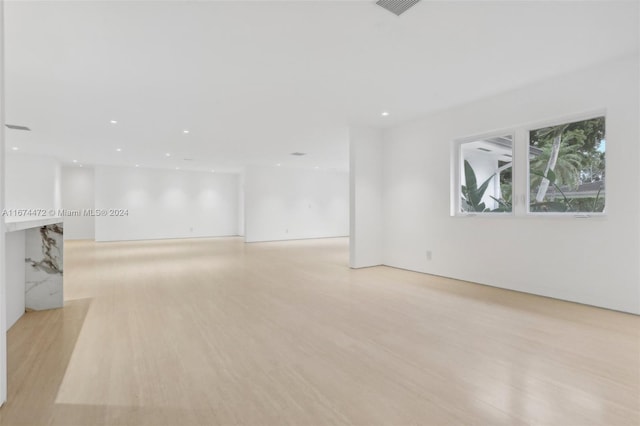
column 255, row 81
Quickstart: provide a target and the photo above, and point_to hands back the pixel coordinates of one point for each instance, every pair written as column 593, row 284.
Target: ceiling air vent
column 484, row 149
column 397, row 7
column 298, row 154
column 16, row 127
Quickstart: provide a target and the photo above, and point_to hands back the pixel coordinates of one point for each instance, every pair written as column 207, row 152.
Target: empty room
column 319, row 212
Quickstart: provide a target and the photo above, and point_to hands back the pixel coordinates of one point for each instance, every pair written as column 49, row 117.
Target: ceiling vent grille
column 16, row 127
column 397, row 7
column 298, row 154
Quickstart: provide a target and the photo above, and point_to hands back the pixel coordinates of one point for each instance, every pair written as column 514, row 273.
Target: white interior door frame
column 3, row 284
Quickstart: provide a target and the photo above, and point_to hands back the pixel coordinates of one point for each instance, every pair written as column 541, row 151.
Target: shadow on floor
column 57, row 330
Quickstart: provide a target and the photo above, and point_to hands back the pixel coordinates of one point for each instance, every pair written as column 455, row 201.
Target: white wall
column 32, row 182
column 15, row 276
column 165, row 204
column 592, row 261
column 365, row 173
column 3, row 286
column 77, row 191
column 241, row 204
column 288, row 203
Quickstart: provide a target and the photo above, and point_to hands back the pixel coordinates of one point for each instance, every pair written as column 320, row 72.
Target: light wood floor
column 214, row 331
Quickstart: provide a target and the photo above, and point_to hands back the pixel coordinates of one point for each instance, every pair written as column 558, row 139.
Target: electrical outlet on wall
column 428, row 254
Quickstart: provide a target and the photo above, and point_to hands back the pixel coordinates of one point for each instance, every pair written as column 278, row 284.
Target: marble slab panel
column 44, row 267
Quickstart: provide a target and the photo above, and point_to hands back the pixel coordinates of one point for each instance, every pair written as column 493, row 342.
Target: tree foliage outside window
column 486, row 175
column 567, row 167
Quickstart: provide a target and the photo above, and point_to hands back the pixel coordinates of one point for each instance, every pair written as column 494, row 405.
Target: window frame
column 567, row 119
column 457, row 166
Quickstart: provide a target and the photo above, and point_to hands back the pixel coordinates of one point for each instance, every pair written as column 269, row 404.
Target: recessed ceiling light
column 177, row 168
column 185, row 131
column 119, row 149
column 137, row 165
column 167, row 155
column 278, row 164
column 80, row 165
column 213, row 171
column 15, row 148
column 316, row 167
column 384, row 114
column 113, row 122
column 74, row 161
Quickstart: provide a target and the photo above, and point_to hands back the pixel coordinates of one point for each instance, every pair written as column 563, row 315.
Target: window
column 567, row 167
column 485, row 173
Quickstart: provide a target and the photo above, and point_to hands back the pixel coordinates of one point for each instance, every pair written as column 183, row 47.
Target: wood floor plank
column 218, row 332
